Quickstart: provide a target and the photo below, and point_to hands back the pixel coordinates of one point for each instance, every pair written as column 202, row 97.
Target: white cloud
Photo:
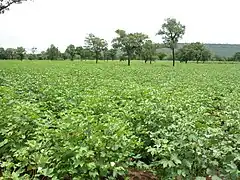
column 63, row 22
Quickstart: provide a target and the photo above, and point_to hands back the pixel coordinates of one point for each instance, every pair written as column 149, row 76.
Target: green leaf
column 3, row 142
column 216, row 178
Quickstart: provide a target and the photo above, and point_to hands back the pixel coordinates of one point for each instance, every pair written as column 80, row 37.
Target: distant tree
column 42, row 55
column 52, row 53
column 87, row 54
column 71, row 50
column 5, row 4
column 64, row 56
column 96, row 44
column 161, row 55
column 79, row 51
column 171, row 32
column 2, row 53
column 34, row 49
column 129, row 43
column 236, row 56
column 10, row 53
column 20, row 52
column 148, row 51
column 193, row 52
column 112, row 53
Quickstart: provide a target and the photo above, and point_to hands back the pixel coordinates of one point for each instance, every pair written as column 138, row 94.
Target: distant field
column 81, row 120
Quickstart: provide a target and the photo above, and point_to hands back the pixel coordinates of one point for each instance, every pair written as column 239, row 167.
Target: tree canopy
column 5, row 4
column 96, row 45
column 129, row 43
column 193, row 52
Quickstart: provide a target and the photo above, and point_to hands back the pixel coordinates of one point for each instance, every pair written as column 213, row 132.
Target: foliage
column 148, row 51
column 96, row 45
column 2, row 53
column 71, row 50
column 110, row 54
column 130, row 43
column 174, row 122
column 171, row 32
column 52, row 53
column 236, row 56
column 161, row 55
column 5, row 4
column 193, row 52
column 20, row 52
column 10, row 53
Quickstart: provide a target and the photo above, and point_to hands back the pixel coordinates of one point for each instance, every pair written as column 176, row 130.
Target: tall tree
column 129, row 43
column 171, row 31
column 96, row 44
column 52, row 53
column 20, row 52
column 71, row 50
column 5, row 4
column 2, row 53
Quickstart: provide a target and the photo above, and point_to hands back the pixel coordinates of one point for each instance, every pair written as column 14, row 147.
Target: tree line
column 125, row 46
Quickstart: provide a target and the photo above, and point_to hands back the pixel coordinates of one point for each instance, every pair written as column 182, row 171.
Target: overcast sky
column 63, row 22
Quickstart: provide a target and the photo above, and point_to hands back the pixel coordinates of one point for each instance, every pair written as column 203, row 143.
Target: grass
column 82, row 120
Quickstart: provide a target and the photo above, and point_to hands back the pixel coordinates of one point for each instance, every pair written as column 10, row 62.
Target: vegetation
column 193, row 52
column 96, row 45
column 76, row 120
column 172, row 31
column 130, row 44
column 5, row 4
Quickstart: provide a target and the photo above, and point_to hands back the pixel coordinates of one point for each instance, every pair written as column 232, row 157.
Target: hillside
column 224, row 50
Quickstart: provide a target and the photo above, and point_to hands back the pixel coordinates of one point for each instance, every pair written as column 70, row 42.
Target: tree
column 5, row 4
column 2, row 53
column 79, row 51
column 193, row 51
column 10, row 53
column 130, row 43
column 236, row 56
column 96, row 44
column 42, row 56
column 52, row 52
column 32, row 56
column 20, row 52
column 171, row 32
column 71, row 50
column 112, row 53
column 161, row 55
column 149, row 50
column 34, row 49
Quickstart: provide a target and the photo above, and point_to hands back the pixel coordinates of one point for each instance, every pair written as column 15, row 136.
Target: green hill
column 223, row 50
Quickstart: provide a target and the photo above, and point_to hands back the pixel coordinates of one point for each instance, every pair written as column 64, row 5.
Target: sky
column 63, row 22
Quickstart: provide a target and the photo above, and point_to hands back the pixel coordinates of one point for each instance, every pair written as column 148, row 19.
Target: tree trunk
column 173, row 56
column 129, row 60
column 96, row 57
column 145, row 61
